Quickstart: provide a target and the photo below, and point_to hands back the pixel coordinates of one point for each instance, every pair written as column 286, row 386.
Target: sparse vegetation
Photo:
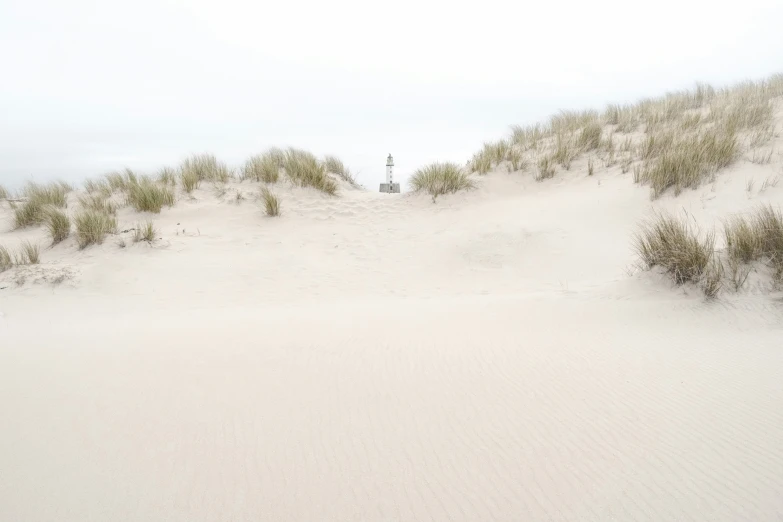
column 335, row 165
column 167, row 176
column 57, row 224
column 6, row 262
column 263, row 167
column 147, row 196
column 205, row 167
column 29, row 254
column 440, row 178
column 304, row 170
column 97, row 202
column 759, row 237
column 271, row 202
column 674, row 245
column 145, row 232
column 92, row 226
column 545, row 167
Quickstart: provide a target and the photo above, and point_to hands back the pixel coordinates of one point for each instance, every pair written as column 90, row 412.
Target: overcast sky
column 91, row 86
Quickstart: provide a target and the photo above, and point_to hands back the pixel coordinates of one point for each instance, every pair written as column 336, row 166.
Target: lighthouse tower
column 390, row 186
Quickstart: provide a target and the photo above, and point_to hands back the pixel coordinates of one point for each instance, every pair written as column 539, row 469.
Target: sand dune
column 492, row 356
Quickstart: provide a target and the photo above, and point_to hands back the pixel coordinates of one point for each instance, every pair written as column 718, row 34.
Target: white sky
column 91, row 86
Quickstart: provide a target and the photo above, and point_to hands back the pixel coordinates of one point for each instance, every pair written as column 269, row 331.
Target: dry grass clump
column 335, row 165
column 565, row 151
column 58, row 224
column 100, row 186
column 116, row 181
column 673, row 244
column 147, row 196
column 29, row 254
column 304, row 169
column 145, row 232
column 3, row 193
column 167, row 176
column 205, row 167
column 271, row 202
column 263, row 167
column 6, row 262
column 92, row 227
column 758, row 237
column 590, row 137
column 545, row 168
column 31, row 212
column 687, row 162
column 190, row 180
column 440, row 178
column 97, row 202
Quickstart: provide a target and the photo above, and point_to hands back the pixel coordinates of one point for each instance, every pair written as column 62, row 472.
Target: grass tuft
column 304, row 169
column 545, row 168
column 3, row 193
column 674, row 245
column 440, row 178
column 167, row 176
column 271, row 202
column 29, row 254
column 263, row 167
column 147, row 196
column 28, row 214
column 92, row 227
column 335, row 165
column 145, row 232
column 57, row 224
column 205, row 167
column 760, row 236
column 6, row 263
column 97, row 202
column 590, row 137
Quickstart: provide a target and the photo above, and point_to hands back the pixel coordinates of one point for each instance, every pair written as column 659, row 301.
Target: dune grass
column 189, row 180
column 147, row 196
column 6, row 262
column 167, row 176
column 58, row 224
column 29, row 254
column 92, row 226
column 3, row 193
column 758, row 237
column 545, row 168
column 674, row 244
column 97, row 202
column 304, row 170
column 263, row 167
column 38, row 197
column 335, row 165
column 205, row 167
column 271, row 202
column 440, row 178
column 145, row 232
column 590, row 136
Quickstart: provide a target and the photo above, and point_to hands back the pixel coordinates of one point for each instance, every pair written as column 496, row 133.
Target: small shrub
column 5, row 259
column 263, row 167
column 271, row 202
column 147, row 196
column 206, row 168
column 57, row 224
column 335, row 165
column 30, row 254
column 92, row 227
column 145, row 232
column 440, row 178
column 672, row 243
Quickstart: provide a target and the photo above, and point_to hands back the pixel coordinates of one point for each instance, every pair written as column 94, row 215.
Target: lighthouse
column 390, row 186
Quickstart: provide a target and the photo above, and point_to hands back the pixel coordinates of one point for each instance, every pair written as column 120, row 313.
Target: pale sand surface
column 493, row 356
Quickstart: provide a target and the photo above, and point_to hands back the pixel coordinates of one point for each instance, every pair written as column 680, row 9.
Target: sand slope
column 493, row 356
